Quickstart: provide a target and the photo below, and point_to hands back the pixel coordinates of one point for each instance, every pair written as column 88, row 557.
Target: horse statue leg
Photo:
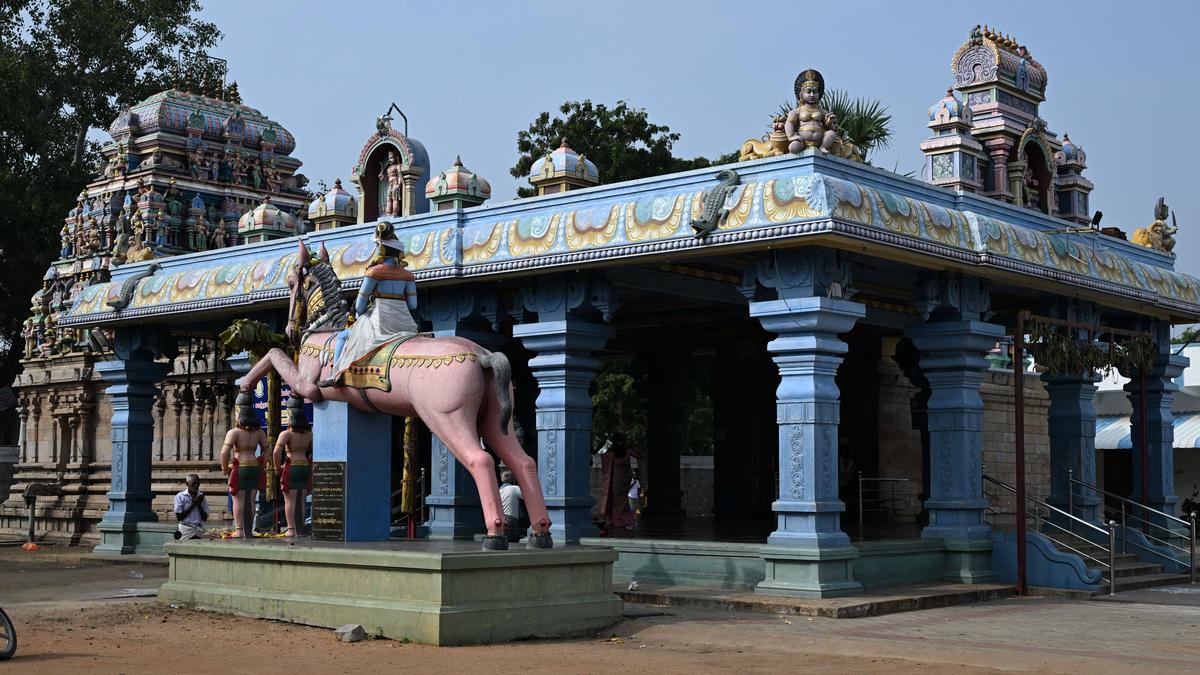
column 457, row 430
column 280, row 362
column 525, row 468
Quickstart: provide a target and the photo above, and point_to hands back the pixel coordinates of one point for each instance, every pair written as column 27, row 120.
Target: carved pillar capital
column 563, row 296
column 942, row 295
column 798, row 273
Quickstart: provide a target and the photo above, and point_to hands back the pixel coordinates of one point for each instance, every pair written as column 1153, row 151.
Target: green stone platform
column 439, row 593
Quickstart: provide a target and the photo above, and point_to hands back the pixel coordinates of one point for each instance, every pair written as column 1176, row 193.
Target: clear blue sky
column 469, row 75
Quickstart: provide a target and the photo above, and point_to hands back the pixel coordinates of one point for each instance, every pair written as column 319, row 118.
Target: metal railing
column 1128, row 511
column 878, row 490
column 1042, row 522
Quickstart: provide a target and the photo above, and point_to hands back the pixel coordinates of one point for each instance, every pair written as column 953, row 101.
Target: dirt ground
column 70, row 616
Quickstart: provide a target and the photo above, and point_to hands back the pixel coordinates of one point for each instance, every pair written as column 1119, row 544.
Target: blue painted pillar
column 808, row 353
column 953, row 341
column 564, row 337
column 132, row 387
column 808, row 554
column 1159, row 425
column 362, row 440
column 564, row 368
column 133, row 382
column 1072, row 421
column 454, row 507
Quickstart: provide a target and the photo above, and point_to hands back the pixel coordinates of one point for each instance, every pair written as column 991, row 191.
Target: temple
column 851, row 330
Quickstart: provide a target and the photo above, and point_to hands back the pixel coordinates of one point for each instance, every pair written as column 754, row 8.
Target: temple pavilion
column 851, row 328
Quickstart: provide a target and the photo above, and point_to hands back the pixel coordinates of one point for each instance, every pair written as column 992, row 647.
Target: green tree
column 865, row 122
column 621, row 140
column 617, row 406
column 68, row 67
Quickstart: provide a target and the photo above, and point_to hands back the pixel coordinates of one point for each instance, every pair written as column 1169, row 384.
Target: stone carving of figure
column 272, row 176
column 27, row 334
column 201, row 233
column 239, row 169
column 196, row 164
column 393, row 183
column 161, row 230
column 256, row 178
column 218, row 237
column 93, row 243
column 808, row 125
column 1031, row 193
column 120, row 249
column 68, row 242
column 120, row 163
column 225, row 168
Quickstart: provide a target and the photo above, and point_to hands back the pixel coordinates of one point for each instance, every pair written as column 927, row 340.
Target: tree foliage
column 621, row 140
column 251, row 336
column 68, row 67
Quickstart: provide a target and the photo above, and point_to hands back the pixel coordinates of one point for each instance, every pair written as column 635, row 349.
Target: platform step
column 873, row 602
column 1137, row 569
column 1147, row 581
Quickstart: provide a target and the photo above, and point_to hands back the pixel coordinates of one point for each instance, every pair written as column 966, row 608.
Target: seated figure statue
column 808, row 124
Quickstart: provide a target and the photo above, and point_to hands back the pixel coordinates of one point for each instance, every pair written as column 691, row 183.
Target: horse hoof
column 543, row 540
column 495, row 543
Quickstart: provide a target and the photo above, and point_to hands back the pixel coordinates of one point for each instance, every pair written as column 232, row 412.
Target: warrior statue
column 384, row 307
column 293, row 454
column 242, row 463
column 393, row 182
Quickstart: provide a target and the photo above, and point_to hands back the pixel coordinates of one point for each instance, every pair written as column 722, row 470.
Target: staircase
column 1131, row 574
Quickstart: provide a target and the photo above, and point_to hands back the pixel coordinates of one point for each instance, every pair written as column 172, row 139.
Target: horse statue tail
column 501, row 369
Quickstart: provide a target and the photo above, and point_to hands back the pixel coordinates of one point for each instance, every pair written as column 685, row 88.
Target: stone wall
column 900, row 453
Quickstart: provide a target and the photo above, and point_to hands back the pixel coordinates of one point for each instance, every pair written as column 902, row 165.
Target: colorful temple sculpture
column 992, row 140
column 847, row 326
column 185, row 173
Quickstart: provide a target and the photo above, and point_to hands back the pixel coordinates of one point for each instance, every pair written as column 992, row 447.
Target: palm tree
column 864, row 122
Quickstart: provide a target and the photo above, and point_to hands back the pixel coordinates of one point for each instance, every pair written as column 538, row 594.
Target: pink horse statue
column 460, row 391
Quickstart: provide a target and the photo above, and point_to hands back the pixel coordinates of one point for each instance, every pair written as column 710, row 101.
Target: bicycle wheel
column 8, row 637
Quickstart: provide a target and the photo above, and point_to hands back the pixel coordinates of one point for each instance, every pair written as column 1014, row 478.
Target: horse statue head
column 316, row 302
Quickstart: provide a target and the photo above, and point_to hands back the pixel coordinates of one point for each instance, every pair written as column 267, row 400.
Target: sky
column 470, row 75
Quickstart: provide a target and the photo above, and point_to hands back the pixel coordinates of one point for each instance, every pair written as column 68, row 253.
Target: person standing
column 191, row 509
column 510, row 502
column 635, row 496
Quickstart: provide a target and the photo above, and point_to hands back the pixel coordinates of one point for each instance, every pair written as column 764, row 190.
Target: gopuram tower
column 183, row 169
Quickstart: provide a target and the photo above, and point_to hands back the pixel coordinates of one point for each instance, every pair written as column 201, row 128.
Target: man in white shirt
column 510, row 502
column 191, row 509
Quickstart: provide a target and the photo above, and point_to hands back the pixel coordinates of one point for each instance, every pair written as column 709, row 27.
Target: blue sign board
column 260, row 404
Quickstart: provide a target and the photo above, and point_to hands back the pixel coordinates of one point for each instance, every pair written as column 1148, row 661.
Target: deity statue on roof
column 808, row 124
column 392, row 181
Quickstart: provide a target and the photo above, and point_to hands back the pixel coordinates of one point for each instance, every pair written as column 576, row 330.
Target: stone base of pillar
column 956, row 519
column 826, row 572
column 454, row 517
column 137, row 538
column 969, row 561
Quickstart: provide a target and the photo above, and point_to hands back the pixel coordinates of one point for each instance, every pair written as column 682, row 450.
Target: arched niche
column 414, row 164
column 1039, row 175
column 375, row 159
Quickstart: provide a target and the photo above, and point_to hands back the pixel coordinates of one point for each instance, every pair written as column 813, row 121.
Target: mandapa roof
column 781, row 201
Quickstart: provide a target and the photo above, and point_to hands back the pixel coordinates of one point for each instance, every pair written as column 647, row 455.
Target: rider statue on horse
column 381, row 364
